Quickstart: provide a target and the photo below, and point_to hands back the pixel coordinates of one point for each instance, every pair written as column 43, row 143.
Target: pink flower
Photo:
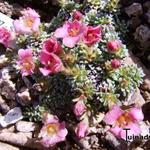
column 92, row 35
column 52, row 63
column 53, row 131
column 79, row 108
column 113, row 46
column 5, row 37
column 77, row 15
column 26, row 62
column 51, row 45
column 115, row 63
column 71, row 33
column 121, row 120
column 29, row 23
column 81, row 129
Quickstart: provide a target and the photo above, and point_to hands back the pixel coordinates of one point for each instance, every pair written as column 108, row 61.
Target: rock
column 85, row 143
column 135, row 98
column 7, row 89
column 139, row 148
column 118, row 144
column 4, row 146
column 134, row 22
column 16, row 9
column 142, row 35
column 4, row 74
column 146, row 111
column 8, row 73
column 146, row 95
column 146, row 5
column 5, row 8
column 94, row 141
column 134, row 10
column 4, row 108
column 146, row 85
column 11, row 117
column 147, row 16
column 9, row 129
column 21, row 139
column 24, row 126
column 23, row 97
column 145, row 129
column 3, row 61
column 126, row 2
column 98, row 118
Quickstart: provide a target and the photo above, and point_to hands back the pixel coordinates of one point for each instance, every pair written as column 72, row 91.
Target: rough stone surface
column 134, row 10
column 11, row 117
column 23, row 97
column 135, row 98
column 4, row 108
column 142, row 35
column 147, row 16
column 4, row 146
column 146, row 5
column 146, row 85
column 7, row 89
column 134, row 22
column 21, row 139
column 5, row 8
column 146, row 111
column 118, row 144
column 24, row 126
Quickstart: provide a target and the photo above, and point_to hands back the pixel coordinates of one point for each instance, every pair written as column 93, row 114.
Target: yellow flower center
column 73, row 32
column 123, row 120
column 27, row 64
column 52, row 129
column 29, row 21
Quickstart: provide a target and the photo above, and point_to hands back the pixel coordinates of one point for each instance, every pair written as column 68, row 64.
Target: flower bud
column 113, row 46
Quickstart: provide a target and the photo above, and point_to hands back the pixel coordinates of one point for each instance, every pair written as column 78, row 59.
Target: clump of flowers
column 80, row 73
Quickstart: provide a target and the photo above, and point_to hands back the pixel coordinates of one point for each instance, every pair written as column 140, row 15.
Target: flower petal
column 45, row 71
column 25, row 53
column 116, row 131
column 136, row 114
column 134, row 130
column 70, row 41
column 61, row 32
column 113, row 115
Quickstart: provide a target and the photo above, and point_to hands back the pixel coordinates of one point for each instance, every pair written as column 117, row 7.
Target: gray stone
column 142, row 35
column 146, row 85
column 134, row 10
column 146, row 5
column 7, row 89
column 4, row 146
column 134, row 22
column 147, row 16
column 4, row 108
column 11, row 117
column 24, row 126
column 23, row 97
column 118, row 144
column 85, row 143
column 135, row 98
column 3, row 61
